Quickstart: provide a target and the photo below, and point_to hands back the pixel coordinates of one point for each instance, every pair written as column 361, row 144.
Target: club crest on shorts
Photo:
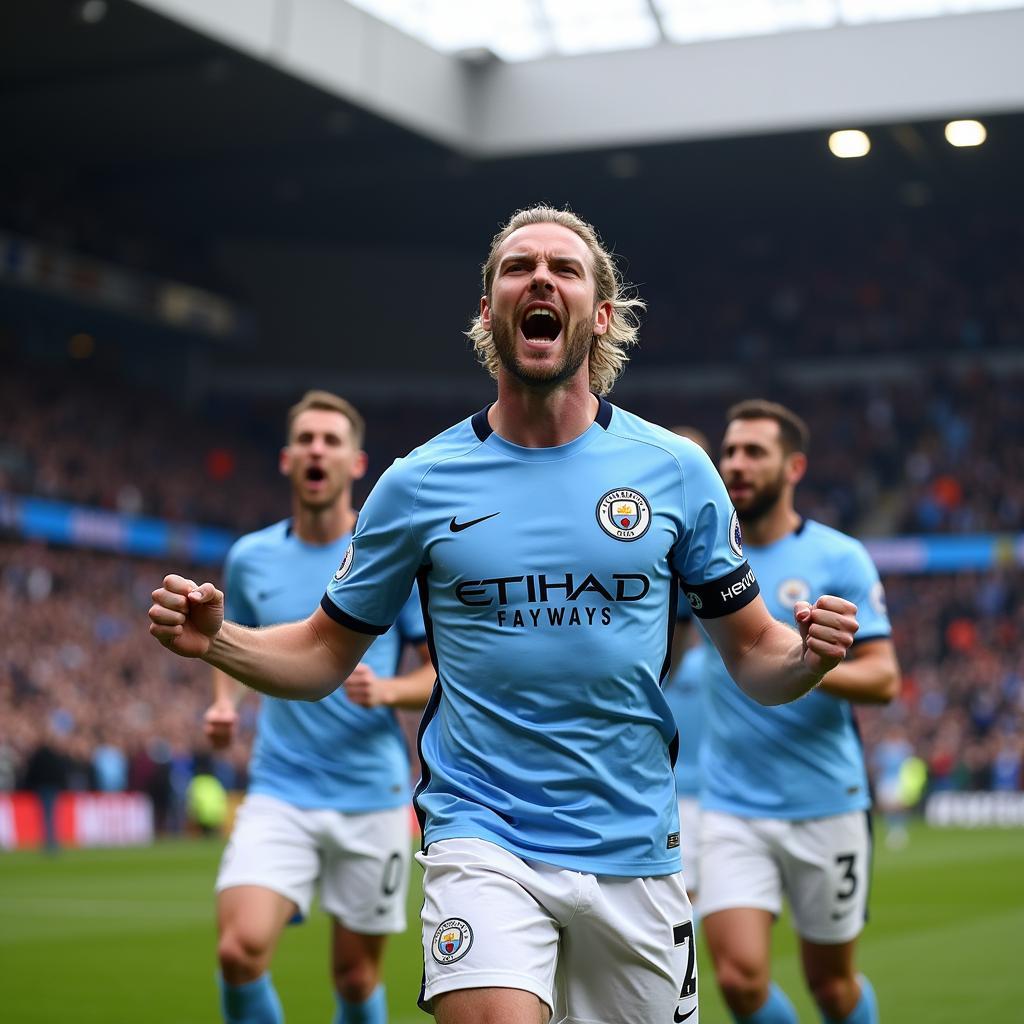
column 346, row 564
column 735, row 535
column 624, row 514
column 451, row 941
column 792, row 590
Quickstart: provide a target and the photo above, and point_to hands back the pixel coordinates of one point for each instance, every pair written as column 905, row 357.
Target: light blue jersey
column 332, row 753
column 804, row 759
column 684, row 692
column 549, row 577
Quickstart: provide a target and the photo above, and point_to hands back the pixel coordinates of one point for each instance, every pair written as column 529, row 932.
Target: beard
column 761, row 501
column 319, row 502
column 576, row 348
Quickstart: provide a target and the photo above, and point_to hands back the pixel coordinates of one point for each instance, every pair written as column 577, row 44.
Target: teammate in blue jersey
column 684, row 691
column 548, row 535
column 329, row 782
column 784, row 792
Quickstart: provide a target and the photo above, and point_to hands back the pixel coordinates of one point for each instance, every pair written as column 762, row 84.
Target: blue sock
column 866, row 1010
column 373, row 1011
column 255, row 1002
column 777, row 1010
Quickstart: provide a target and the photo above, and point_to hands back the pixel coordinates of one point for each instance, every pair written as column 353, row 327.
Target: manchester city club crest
column 451, row 940
column 346, row 563
column 792, row 590
column 624, row 514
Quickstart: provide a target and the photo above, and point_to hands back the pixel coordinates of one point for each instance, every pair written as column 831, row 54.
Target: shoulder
column 268, row 539
column 681, row 451
column 458, row 440
column 836, row 543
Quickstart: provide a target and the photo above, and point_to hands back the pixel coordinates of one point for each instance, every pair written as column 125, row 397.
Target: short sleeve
column 861, row 585
column 237, row 606
column 708, row 557
column 372, row 583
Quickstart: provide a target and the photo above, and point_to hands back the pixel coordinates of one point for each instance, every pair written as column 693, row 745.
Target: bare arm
column 297, row 660
column 221, row 716
column 774, row 664
column 410, row 691
column 870, row 674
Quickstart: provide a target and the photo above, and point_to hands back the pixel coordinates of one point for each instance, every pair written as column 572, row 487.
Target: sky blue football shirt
column 331, row 753
column 549, row 578
column 684, row 691
column 804, row 759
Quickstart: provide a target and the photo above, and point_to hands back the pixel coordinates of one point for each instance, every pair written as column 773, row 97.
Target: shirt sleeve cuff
column 350, row 621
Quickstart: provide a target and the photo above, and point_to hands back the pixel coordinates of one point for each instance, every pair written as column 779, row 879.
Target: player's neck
column 535, row 418
column 776, row 523
column 323, row 525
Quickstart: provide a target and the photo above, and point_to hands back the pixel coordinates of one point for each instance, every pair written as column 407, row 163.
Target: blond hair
column 331, row 403
column 607, row 351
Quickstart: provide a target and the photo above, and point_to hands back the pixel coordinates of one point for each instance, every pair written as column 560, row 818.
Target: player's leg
column 628, row 953
column 356, row 969
column 741, row 895
column 490, row 1006
column 250, row 920
column 363, row 885
column 265, row 879
column 843, row 996
column 491, row 924
column 826, row 872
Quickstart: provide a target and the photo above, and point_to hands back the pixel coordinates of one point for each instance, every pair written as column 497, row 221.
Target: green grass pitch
column 128, row 936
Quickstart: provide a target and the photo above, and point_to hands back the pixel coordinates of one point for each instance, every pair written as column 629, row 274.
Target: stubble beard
column 762, row 502
column 577, row 348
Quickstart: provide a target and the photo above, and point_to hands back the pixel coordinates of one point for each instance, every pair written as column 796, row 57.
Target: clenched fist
column 827, row 629
column 186, row 617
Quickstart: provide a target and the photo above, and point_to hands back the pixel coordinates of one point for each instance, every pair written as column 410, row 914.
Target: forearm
column 870, row 675
column 290, row 660
column 412, row 690
column 225, row 688
column 772, row 669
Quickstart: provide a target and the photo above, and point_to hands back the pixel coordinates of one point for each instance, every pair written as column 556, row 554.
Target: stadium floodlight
column 849, row 143
column 92, row 12
column 965, row 133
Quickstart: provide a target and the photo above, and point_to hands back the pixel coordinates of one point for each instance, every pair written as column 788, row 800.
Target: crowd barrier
column 975, row 810
column 80, row 819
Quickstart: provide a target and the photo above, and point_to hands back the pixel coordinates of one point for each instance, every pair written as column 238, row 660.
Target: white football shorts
column 822, row 865
column 596, row 949
column 689, row 841
column 361, row 861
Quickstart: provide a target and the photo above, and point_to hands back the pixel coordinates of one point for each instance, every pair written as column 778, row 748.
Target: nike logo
column 459, row 527
column 678, row 1017
column 264, row 594
column 838, row 915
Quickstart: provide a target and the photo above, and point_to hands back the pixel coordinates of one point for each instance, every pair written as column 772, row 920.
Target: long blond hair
column 607, row 351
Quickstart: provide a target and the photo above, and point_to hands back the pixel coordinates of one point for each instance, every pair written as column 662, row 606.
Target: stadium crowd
column 941, row 452
column 103, row 710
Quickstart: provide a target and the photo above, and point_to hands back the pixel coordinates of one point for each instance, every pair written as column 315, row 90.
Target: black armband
column 723, row 596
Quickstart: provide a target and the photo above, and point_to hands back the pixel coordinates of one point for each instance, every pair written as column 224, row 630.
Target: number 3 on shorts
column 848, row 882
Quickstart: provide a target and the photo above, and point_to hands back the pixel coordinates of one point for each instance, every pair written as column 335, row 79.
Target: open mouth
column 315, row 474
column 541, row 325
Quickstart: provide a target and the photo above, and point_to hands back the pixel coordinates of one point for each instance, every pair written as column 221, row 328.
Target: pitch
column 127, row 935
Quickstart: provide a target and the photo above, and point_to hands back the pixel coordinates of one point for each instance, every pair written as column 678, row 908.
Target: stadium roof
column 517, row 30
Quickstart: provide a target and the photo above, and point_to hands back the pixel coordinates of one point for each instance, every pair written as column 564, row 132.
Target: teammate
column 784, row 793
column 329, row 791
column 548, row 534
column 684, row 693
